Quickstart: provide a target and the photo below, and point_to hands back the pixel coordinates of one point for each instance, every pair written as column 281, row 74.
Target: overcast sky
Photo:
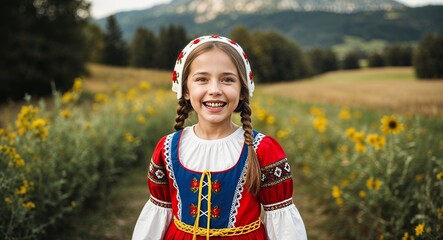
column 104, row 8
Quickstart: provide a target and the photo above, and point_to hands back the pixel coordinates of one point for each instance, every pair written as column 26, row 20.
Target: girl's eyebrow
column 224, row 73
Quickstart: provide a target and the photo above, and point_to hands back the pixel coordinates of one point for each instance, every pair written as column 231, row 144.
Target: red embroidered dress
column 185, row 195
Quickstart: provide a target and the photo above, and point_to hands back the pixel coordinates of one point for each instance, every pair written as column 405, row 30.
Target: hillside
column 307, row 28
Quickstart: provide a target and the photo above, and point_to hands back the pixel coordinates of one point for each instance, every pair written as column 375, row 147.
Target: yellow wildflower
column 345, row 114
column 439, row 176
column 65, row 113
column 78, row 85
column 39, row 128
column 336, row 193
column 373, row 184
column 283, row 133
column 24, row 188
column 419, row 229
column 362, row 194
column 28, row 205
column 145, row 86
column 150, row 110
column 339, row 201
column 270, row 120
column 343, row 148
column 141, row 119
column 360, row 147
column 405, row 236
column 350, row 132
column 317, row 112
column 390, row 125
column 8, row 200
column 101, row 98
column 344, row 182
column 375, row 140
column 320, row 123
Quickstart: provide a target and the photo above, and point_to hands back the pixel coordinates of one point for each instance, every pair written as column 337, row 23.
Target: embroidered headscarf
column 181, row 59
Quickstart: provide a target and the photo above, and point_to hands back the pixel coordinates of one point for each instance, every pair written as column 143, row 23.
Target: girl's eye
column 200, row 79
column 228, row 79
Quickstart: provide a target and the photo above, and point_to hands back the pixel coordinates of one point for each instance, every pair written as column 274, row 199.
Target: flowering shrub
column 55, row 161
column 377, row 176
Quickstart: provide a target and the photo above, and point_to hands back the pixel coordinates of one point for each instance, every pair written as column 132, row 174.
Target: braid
column 253, row 171
column 182, row 113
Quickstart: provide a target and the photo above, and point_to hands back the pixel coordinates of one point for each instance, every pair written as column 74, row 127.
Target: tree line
column 48, row 43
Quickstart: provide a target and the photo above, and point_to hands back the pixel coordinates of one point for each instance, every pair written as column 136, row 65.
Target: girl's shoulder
column 268, row 149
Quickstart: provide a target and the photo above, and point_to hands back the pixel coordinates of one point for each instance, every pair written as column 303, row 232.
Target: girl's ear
column 186, row 95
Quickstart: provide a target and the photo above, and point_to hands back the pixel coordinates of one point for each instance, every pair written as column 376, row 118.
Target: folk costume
column 197, row 186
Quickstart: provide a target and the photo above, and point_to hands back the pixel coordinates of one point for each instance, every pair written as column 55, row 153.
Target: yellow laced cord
column 197, row 219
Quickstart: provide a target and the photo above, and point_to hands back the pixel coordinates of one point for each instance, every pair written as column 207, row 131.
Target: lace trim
column 167, row 148
column 160, row 203
column 276, row 206
column 275, row 173
column 237, row 197
column 257, row 140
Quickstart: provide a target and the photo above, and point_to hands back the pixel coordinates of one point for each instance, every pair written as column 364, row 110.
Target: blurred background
column 351, row 88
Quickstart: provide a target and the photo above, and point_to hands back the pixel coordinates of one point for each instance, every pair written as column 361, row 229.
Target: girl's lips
column 214, row 104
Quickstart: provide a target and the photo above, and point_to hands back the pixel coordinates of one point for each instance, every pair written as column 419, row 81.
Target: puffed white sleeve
column 152, row 222
column 156, row 215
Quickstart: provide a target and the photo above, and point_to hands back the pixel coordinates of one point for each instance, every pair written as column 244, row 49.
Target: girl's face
column 213, row 87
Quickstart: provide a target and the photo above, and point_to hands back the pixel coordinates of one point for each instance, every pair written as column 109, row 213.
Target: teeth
column 211, row 104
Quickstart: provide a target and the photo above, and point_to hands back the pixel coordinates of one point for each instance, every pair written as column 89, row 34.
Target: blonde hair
column 252, row 180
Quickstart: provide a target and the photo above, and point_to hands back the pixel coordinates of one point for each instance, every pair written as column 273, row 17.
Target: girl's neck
column 212, row 132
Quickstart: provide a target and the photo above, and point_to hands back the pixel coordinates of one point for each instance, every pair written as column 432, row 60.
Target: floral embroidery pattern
column 180, row 56
column 216, row 186
column 157, row 174
column 175, row 76
column 278, row 205
column 193, row 210
column 215, row 212
column 275, row 173
column 194, row 185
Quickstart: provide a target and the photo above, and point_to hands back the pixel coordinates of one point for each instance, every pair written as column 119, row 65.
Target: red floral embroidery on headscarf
column 245, row 56
column 175, row 76
column 215, row 36
column 180, row 56
column 197, row 40
column 251, row 77
column 233, row 42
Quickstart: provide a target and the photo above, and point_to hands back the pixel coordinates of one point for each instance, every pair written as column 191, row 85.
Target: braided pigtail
column 183, row 110
column 253, row 172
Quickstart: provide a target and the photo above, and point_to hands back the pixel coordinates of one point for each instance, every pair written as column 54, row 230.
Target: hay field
column 394, row 89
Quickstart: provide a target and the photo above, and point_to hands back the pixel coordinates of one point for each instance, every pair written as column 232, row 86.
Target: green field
column 365, row 147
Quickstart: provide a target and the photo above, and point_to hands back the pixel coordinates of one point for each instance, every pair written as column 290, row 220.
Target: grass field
column 308, row 117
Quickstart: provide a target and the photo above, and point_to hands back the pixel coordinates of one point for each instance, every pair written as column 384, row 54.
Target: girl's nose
column 214, row 88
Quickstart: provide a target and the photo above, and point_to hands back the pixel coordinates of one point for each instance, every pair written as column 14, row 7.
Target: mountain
column 308, row 22
column 206, row 10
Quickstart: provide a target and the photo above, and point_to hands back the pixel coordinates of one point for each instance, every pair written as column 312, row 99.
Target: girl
column 210, row 180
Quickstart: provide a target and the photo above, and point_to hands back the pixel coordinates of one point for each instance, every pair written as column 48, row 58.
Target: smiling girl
column 212, row 179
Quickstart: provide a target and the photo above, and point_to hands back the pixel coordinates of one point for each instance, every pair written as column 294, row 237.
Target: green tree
column 143, row 49
column 428, row 59
column 351, row 61
column 42, row 43
column 172, row 40
column 398, row 55
column 321, row 60
column 115, row 51
column 376, row 60
column 277, row 58
column 95, row 42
